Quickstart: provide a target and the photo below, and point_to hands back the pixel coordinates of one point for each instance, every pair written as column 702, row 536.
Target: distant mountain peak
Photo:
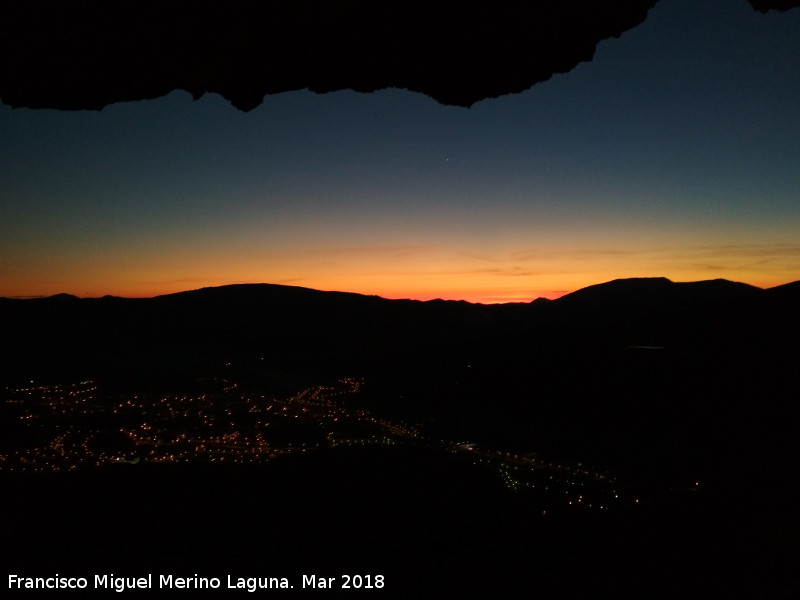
column 626, row 298
column 541, row 300
column 619, row 288
column 63, row 296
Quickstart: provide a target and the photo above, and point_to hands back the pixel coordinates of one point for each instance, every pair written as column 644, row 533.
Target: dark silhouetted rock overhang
column 86, row 54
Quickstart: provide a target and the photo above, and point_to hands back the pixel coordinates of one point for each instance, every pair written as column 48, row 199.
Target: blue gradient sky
column 673, row 153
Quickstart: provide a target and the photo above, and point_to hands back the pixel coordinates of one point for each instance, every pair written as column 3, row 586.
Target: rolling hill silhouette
column 334, row 331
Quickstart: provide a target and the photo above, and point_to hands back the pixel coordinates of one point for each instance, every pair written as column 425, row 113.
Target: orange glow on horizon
column 426, row 275
column 474, row 296
column 477, row 297
column 450, row 268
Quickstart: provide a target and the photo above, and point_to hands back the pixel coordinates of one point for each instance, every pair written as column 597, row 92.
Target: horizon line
column 553, row 295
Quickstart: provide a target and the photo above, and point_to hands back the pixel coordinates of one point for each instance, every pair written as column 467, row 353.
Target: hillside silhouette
column 335, row 330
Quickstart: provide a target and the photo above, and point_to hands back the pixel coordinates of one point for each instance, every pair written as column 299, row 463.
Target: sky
column 674, row 153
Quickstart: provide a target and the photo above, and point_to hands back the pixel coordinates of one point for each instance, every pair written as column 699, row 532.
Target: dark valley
column 635, row 438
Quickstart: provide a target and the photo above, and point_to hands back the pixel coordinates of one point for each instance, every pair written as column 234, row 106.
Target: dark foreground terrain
column 631, row 440
column 430, row 527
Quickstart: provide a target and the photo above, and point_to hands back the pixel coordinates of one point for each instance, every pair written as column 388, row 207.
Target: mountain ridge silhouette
column 630, row 285
column 347, row 332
